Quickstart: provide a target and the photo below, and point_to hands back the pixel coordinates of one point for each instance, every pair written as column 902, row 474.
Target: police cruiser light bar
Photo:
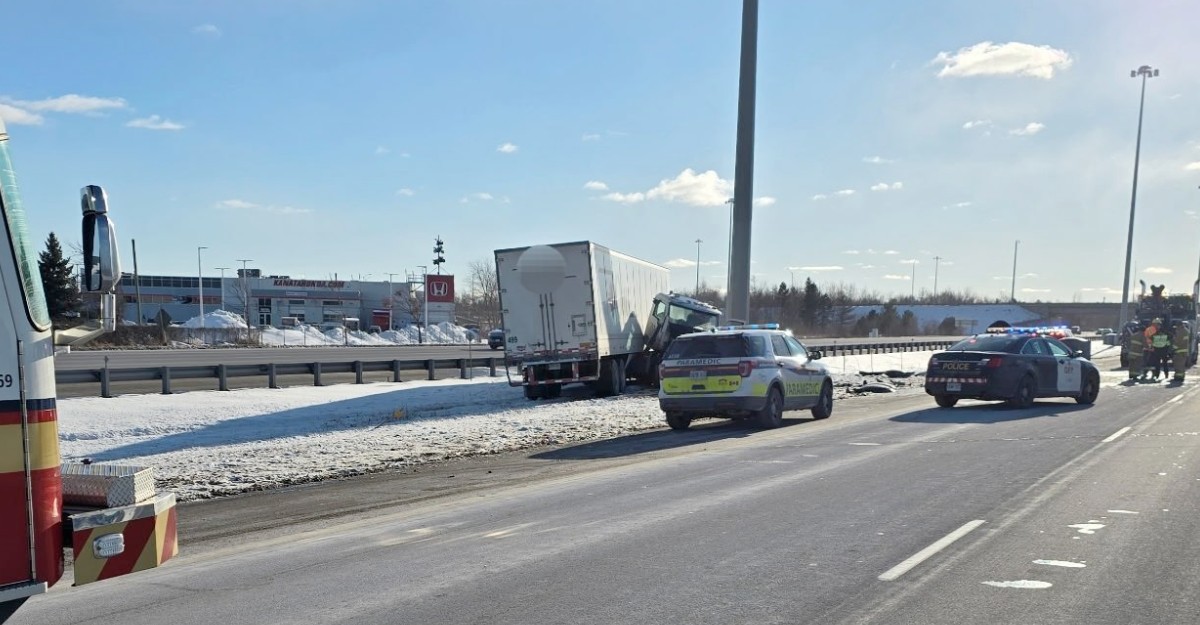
column 1044, row 330
column 752, row 326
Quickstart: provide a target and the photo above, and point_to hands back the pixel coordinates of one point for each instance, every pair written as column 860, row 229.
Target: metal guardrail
column 222, row 372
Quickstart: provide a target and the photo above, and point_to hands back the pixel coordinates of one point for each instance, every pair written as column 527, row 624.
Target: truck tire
column 678, row 421
column 532, row 392
column 7, row 608
column 771, row 415
column 609, row 383
column 551, row 391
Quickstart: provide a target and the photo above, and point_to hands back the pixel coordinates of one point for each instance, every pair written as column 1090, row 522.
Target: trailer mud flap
column 111, row 542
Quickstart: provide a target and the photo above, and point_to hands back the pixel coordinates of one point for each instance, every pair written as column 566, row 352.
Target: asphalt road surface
column 892, row 511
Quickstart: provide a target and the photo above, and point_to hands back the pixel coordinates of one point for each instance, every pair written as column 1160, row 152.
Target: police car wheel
column 945, row 401
column 1023, row 396
column 824, row 406
column 678, row 421
column 1089, row 390
column 771, row 415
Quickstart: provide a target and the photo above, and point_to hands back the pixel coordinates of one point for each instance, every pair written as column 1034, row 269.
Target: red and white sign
column 439, row 289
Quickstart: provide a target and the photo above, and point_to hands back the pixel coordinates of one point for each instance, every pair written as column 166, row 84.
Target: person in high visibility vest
column 1158, row 343
column 1181, row 337
column 1137, row 345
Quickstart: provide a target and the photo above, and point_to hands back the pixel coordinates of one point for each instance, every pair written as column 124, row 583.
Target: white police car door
column 1070, row 370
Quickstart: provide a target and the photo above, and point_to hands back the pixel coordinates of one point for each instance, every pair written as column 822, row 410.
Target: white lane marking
column 1176, row 399
column 867, row 444
column 1087, row 528
column 1064, row 563
column 1021, row 583
column 928, row 552
column 1115, row 435
column 1122, row 512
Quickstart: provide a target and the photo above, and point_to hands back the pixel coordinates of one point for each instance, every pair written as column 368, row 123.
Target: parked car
column 496, row 339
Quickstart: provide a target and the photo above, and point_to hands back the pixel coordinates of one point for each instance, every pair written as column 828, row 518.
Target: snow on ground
column 222, row 322
column 205, row 444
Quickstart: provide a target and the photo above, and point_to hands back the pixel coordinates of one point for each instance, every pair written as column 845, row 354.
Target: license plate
column 699, row 376
column 953, row 386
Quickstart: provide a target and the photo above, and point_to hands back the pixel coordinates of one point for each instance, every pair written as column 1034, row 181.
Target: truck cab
column 674, row 315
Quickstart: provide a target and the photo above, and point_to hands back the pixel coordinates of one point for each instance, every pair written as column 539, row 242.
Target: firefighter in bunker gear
column 1180, row 337
column 1158, row 343
column 1137, row 344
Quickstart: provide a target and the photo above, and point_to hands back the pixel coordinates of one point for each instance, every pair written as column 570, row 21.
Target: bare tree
column 481, row 303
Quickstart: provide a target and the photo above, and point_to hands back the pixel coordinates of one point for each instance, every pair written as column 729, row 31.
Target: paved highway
column 893, row 511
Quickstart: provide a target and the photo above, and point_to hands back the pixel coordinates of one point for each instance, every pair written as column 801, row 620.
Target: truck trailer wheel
column 532, row 392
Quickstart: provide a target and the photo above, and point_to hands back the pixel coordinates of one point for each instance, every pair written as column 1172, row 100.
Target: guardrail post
column 358, row 372
column 165, row 373
column 223, row 379
column 271, row 381
column 492, row 367
column 395, row 370
column 316, row 369
column 429, row 366
column 462, row 369
column 105, row 389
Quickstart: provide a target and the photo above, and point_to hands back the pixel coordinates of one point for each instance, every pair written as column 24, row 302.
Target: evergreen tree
column 58, row 280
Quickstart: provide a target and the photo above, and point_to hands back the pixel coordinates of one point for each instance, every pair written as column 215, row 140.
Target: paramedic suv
column 738, row 372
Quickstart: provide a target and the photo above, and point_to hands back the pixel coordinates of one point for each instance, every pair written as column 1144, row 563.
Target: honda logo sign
column 439, row 288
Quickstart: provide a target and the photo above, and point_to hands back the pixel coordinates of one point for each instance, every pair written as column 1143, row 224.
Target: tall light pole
column 937, row 260
column 738, row 296
column 245, row 292
column 391, row 298
column 913, row 287
column 222, row 270
column 1012, row 295
column 698, row 242
column 424, row 306
column 1145, row 72
column 200, row 271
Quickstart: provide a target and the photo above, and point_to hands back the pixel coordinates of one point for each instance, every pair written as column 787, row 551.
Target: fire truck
column 109, row 517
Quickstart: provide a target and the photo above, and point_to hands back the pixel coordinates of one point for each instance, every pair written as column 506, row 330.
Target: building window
column 264, row 302
column 332, row 317
column 331, row 302
column 295, row 302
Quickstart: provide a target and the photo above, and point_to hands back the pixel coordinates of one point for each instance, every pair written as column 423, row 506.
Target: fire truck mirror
column 101, row 261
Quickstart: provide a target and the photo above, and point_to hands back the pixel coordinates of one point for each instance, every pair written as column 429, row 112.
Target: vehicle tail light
column 662, row 371
column 993, row 362
column 745, row 367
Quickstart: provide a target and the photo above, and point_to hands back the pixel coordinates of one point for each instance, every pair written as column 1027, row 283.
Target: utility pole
column 137, row 283
column 1012, row 296
column 222, row 270
column 738, row 298
column 245, row 293
column 424, row 306
column 913, row 286
column 937, row 260
column 1145, row 72
column 200, row 271
column 698, row 242
column 391, row 301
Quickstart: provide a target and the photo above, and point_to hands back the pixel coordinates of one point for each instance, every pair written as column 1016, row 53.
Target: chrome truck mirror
column 101, row 262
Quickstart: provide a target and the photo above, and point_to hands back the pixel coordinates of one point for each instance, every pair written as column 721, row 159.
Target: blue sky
column 320, row 137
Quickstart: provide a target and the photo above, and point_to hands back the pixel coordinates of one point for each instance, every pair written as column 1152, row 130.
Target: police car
column 1016, row 365
column 751, row 371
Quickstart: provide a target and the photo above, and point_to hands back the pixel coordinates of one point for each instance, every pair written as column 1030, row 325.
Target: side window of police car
column 1034, row 348
column 798, row 350
column 780, row 346
column 1059, row 350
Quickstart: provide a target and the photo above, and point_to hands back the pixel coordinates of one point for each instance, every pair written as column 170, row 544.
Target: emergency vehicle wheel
column 1023, row 397
column 678, row 421
column 8, row 607
column 771, row 415
column 824, row 406
column 533, row 392
column 550, row 391
column 945, row 401
column 1090, row 390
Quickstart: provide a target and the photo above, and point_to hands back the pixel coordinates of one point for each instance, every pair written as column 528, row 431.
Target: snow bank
column 222, row 322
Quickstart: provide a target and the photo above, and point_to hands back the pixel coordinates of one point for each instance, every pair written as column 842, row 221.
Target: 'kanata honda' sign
column 439, row 288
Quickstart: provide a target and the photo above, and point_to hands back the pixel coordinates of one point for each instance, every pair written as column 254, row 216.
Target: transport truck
column 109, row 517
column 580, row 312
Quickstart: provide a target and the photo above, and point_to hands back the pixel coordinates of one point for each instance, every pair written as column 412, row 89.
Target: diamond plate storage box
column 106, row 485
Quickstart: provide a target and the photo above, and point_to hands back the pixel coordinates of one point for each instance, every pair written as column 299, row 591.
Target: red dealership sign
column 439, row 288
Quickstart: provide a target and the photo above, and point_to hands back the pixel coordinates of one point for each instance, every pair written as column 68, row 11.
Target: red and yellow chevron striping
column 148, row 531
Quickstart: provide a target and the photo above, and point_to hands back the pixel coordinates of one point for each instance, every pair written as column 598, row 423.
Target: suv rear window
column 987, row 344
column 728, row 346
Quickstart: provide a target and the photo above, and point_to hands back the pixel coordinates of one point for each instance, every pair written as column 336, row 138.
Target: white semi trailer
column 581, row 312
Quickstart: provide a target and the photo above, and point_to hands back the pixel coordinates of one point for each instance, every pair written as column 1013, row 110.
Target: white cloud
column 591, row 136
column 625, row 198
column 862, row 266
column 703, row 189
column 844, row 192
column 683, row 263
column 1191, row 214
column 595, row 185
column 154, row 122
column 765, row 200
column 976, row 123
column 1032, row 128
column 240, row 204
column 883, row 186
column 208, row 30
column 71, row 103
column 507, row 148
column 877, row 160
column 1030, row 290
column 1158, row 270
column 1006, row 59
column 851, row 252
column 15, row 115
column 910, row 261
column 381, row 150
column 818, row 197
column 896, row 276
column 891, row 252
column 1192, row 166
column 236, row 204
column 817, row 268
column 407, row 192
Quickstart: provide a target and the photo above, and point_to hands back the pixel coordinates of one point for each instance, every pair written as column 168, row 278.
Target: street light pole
column 937, row 260
column 1012, row 296
column 698, row 242
column 1145, row 72
column 738, row 285
column 912, row 291
column 425, row 305
column 391, row 298
column 200, row 271
column 245, row 294
column 222, row 270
